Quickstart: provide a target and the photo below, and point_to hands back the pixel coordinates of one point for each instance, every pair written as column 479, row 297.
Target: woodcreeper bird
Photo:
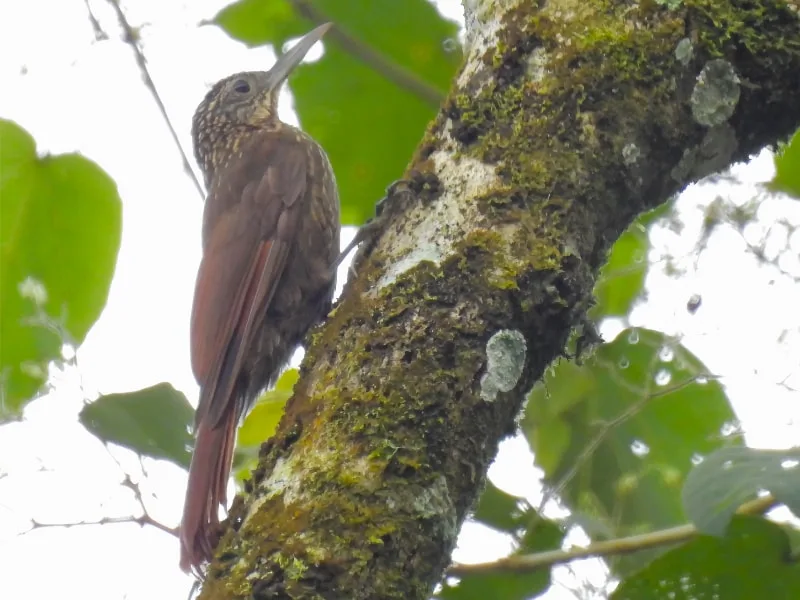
column 270, row 238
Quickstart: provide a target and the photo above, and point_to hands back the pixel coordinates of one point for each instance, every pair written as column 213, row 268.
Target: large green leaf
column 368, row 125
column 627, row 427
column 60, row 228
column 751, row 562
column 787, row 167
column 729, row 477
column 155, row 422
column 261, row 423
column 514, row 516
column 621, row 279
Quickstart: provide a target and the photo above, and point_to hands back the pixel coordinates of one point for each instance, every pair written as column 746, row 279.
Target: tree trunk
column 565, row 122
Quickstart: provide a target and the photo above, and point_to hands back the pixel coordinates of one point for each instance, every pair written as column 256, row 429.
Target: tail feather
column 206, row 490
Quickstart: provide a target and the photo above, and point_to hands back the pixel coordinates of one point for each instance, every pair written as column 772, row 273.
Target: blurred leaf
column 793, row 533
column 552, row 442
column 60, row 228
column 787, row 167
column 261, row 423
column 635, row 425
column 597, row 529
column 256, row 22
column 501, row 510
column 368, row 126
column 621, row 279
column 731, row 476
column 152, row 422
column 752, row 561
column 541, row 535
column 512, row 515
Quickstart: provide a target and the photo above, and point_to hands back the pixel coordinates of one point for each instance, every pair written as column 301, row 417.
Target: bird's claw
column 370, row 229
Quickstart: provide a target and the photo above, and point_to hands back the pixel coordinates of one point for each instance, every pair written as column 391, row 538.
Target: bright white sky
column 73, row 93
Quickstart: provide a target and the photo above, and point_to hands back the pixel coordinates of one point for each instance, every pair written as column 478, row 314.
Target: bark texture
column 567, row 120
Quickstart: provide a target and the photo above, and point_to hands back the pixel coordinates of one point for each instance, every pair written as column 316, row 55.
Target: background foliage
column 637, row 437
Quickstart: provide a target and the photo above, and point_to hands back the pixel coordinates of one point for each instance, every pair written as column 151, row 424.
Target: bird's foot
column 370, row 230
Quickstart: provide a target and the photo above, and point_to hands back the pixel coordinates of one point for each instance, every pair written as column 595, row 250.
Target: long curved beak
column 286, row 63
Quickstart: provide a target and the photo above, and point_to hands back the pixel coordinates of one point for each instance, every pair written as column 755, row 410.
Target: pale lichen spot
column 33, row 369
column 33, row 289
column 715, row 94
column 426, row 251
column 481, row 24
column 537, row 65
column 284, row 479
column 684, row 51
column 713, row 154
column 631, row 154
column 434, row 503
column 505, row 359
column 436, row 227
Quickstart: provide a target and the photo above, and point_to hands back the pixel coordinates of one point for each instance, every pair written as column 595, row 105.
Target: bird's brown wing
column 243, row 261
column 242, row 264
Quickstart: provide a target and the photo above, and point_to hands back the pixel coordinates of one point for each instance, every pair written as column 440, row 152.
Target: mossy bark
column 566, row 121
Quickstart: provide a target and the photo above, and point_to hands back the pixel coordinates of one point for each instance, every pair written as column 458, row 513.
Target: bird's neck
column 228, row 144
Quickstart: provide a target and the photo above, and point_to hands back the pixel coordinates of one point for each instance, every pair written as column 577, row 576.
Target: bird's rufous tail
column 206, row 490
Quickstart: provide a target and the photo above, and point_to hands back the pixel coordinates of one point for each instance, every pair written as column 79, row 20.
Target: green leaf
column 368, row 125
column 731, row 476
column 621, row 279
column 60, row 228
column 752, row 561
column 256, row 22
column 154, row 421
column 541, row 535
column 261, row 422
column 787, row 167
column 501, row 510
column 635, row 424
column 553, row 442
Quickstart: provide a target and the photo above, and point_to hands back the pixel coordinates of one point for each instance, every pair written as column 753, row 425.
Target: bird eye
column 241, row 86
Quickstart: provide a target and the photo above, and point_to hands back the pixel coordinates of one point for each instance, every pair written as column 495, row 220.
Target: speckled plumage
column 270, row 235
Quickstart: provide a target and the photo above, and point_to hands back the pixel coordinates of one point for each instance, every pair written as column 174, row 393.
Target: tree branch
column 626, row 545
column 142, row 520
column 127, row 481
column 131, row 38
column 390, row 70
column 99, row 32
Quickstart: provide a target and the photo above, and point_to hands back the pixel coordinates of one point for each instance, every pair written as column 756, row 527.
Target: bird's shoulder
column 277, row 152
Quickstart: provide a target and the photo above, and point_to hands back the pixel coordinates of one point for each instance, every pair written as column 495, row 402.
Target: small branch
column 99, row 33
column 390, row 70
column 635, row 543
column 142, row 520
column 132, row 39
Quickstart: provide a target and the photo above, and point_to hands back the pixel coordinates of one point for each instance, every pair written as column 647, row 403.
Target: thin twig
column 142, row 520
column 390, row 70
column 635, row 543
column 132, row 39
column 99, row 32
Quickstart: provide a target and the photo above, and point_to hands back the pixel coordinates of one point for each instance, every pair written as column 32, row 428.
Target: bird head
column 243, row 101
